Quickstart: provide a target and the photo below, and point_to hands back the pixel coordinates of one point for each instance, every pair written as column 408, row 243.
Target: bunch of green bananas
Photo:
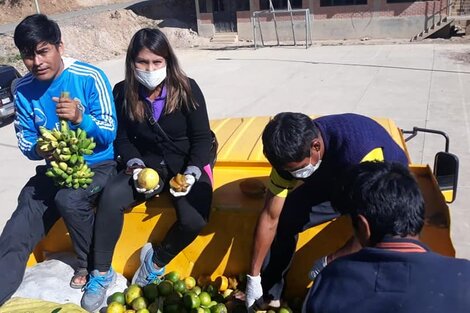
column 68, row 168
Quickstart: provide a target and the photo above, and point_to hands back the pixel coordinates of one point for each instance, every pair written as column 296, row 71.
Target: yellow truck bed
column 224, row 246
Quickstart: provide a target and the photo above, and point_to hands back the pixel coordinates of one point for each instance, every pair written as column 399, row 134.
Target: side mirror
column 446, row 170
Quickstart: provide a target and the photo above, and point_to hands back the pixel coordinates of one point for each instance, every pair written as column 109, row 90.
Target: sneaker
column 147, row 273
column 95, row 289
column 317, row 267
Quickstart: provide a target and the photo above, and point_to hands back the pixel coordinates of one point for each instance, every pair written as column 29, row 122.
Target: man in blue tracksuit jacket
column 90, row 107
column 394, row 272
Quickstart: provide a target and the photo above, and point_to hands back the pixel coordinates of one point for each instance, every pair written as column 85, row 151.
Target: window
column 243, row 5
column 280, row 4
column 203, row 6
column 329, row 3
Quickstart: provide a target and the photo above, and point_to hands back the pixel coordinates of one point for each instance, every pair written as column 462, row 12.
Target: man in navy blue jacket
column 315, row 152
column 394, row 272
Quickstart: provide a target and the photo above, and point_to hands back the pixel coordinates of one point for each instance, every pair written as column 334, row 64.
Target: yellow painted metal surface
column 224, row 246
column 448, row 195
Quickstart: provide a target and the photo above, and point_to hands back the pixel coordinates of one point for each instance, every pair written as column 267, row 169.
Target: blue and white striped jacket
column 84, row 82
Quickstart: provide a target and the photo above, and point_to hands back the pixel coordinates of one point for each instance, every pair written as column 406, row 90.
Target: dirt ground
column 18, row 9
column 94, row 37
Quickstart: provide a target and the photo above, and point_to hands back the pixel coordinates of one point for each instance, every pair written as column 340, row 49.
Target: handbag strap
column 158, row 129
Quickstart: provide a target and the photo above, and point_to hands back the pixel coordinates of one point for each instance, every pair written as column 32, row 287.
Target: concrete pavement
column 413, row 84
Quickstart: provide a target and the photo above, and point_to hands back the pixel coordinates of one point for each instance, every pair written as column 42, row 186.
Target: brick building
column 330, row 19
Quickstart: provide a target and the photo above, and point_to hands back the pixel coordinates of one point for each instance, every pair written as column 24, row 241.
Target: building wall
column 322, row 29
column 205, row 24
column 377, row 19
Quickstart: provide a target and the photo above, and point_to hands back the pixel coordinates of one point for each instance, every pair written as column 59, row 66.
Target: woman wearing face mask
column 163, row 125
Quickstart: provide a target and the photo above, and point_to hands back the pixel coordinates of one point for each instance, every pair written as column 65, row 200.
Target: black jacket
column 188, row 128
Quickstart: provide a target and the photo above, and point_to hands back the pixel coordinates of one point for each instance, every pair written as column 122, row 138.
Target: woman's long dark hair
column 176, row 81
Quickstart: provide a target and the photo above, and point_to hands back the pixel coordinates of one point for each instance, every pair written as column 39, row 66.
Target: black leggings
column 305, row 207
column 192, row 213
column 40, row 205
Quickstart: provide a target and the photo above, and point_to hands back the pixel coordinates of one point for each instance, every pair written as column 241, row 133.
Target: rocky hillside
column 105, row 35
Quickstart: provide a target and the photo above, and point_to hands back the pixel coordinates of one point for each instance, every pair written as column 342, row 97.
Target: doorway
column 225, row 15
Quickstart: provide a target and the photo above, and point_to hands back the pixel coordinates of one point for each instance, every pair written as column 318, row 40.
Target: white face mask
column 306, row 171
column 152, row 79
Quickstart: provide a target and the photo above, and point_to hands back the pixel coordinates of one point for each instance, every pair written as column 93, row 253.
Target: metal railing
column 273, row 12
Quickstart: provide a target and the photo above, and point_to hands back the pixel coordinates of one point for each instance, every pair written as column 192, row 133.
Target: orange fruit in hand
column 148, row 179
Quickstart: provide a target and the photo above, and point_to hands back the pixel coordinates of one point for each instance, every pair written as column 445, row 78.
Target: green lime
column 172, row 308
column 284, row 310
column 143, row 311
column 173, row 298
column 133, row 292
column 172, row 276
column 219, row 308
column 139, row 303
column 115, row 307
column 117, row 297
column 191, row 300
column 196, row 289
column 212, row 304
column 179, row 286
column 154, row 307
column 190, row 282
column 218, row 298
column 165, row 288
column 151, row 292
column 205, row 299
column 211, row 290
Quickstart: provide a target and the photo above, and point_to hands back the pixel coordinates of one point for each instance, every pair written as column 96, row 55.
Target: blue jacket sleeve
column 26, row 132
column 99, row 116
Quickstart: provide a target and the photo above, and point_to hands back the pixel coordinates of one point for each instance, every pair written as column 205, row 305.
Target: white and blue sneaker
column 147, row 273
column 94, row 295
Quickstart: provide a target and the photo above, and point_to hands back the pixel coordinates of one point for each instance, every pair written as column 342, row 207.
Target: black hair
column 387, row 195
column 33, row 30
column 287, row 138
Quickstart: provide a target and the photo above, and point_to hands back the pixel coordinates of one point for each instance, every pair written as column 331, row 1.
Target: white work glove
column 135, row 177
column 254, row 291
column 190, row 180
